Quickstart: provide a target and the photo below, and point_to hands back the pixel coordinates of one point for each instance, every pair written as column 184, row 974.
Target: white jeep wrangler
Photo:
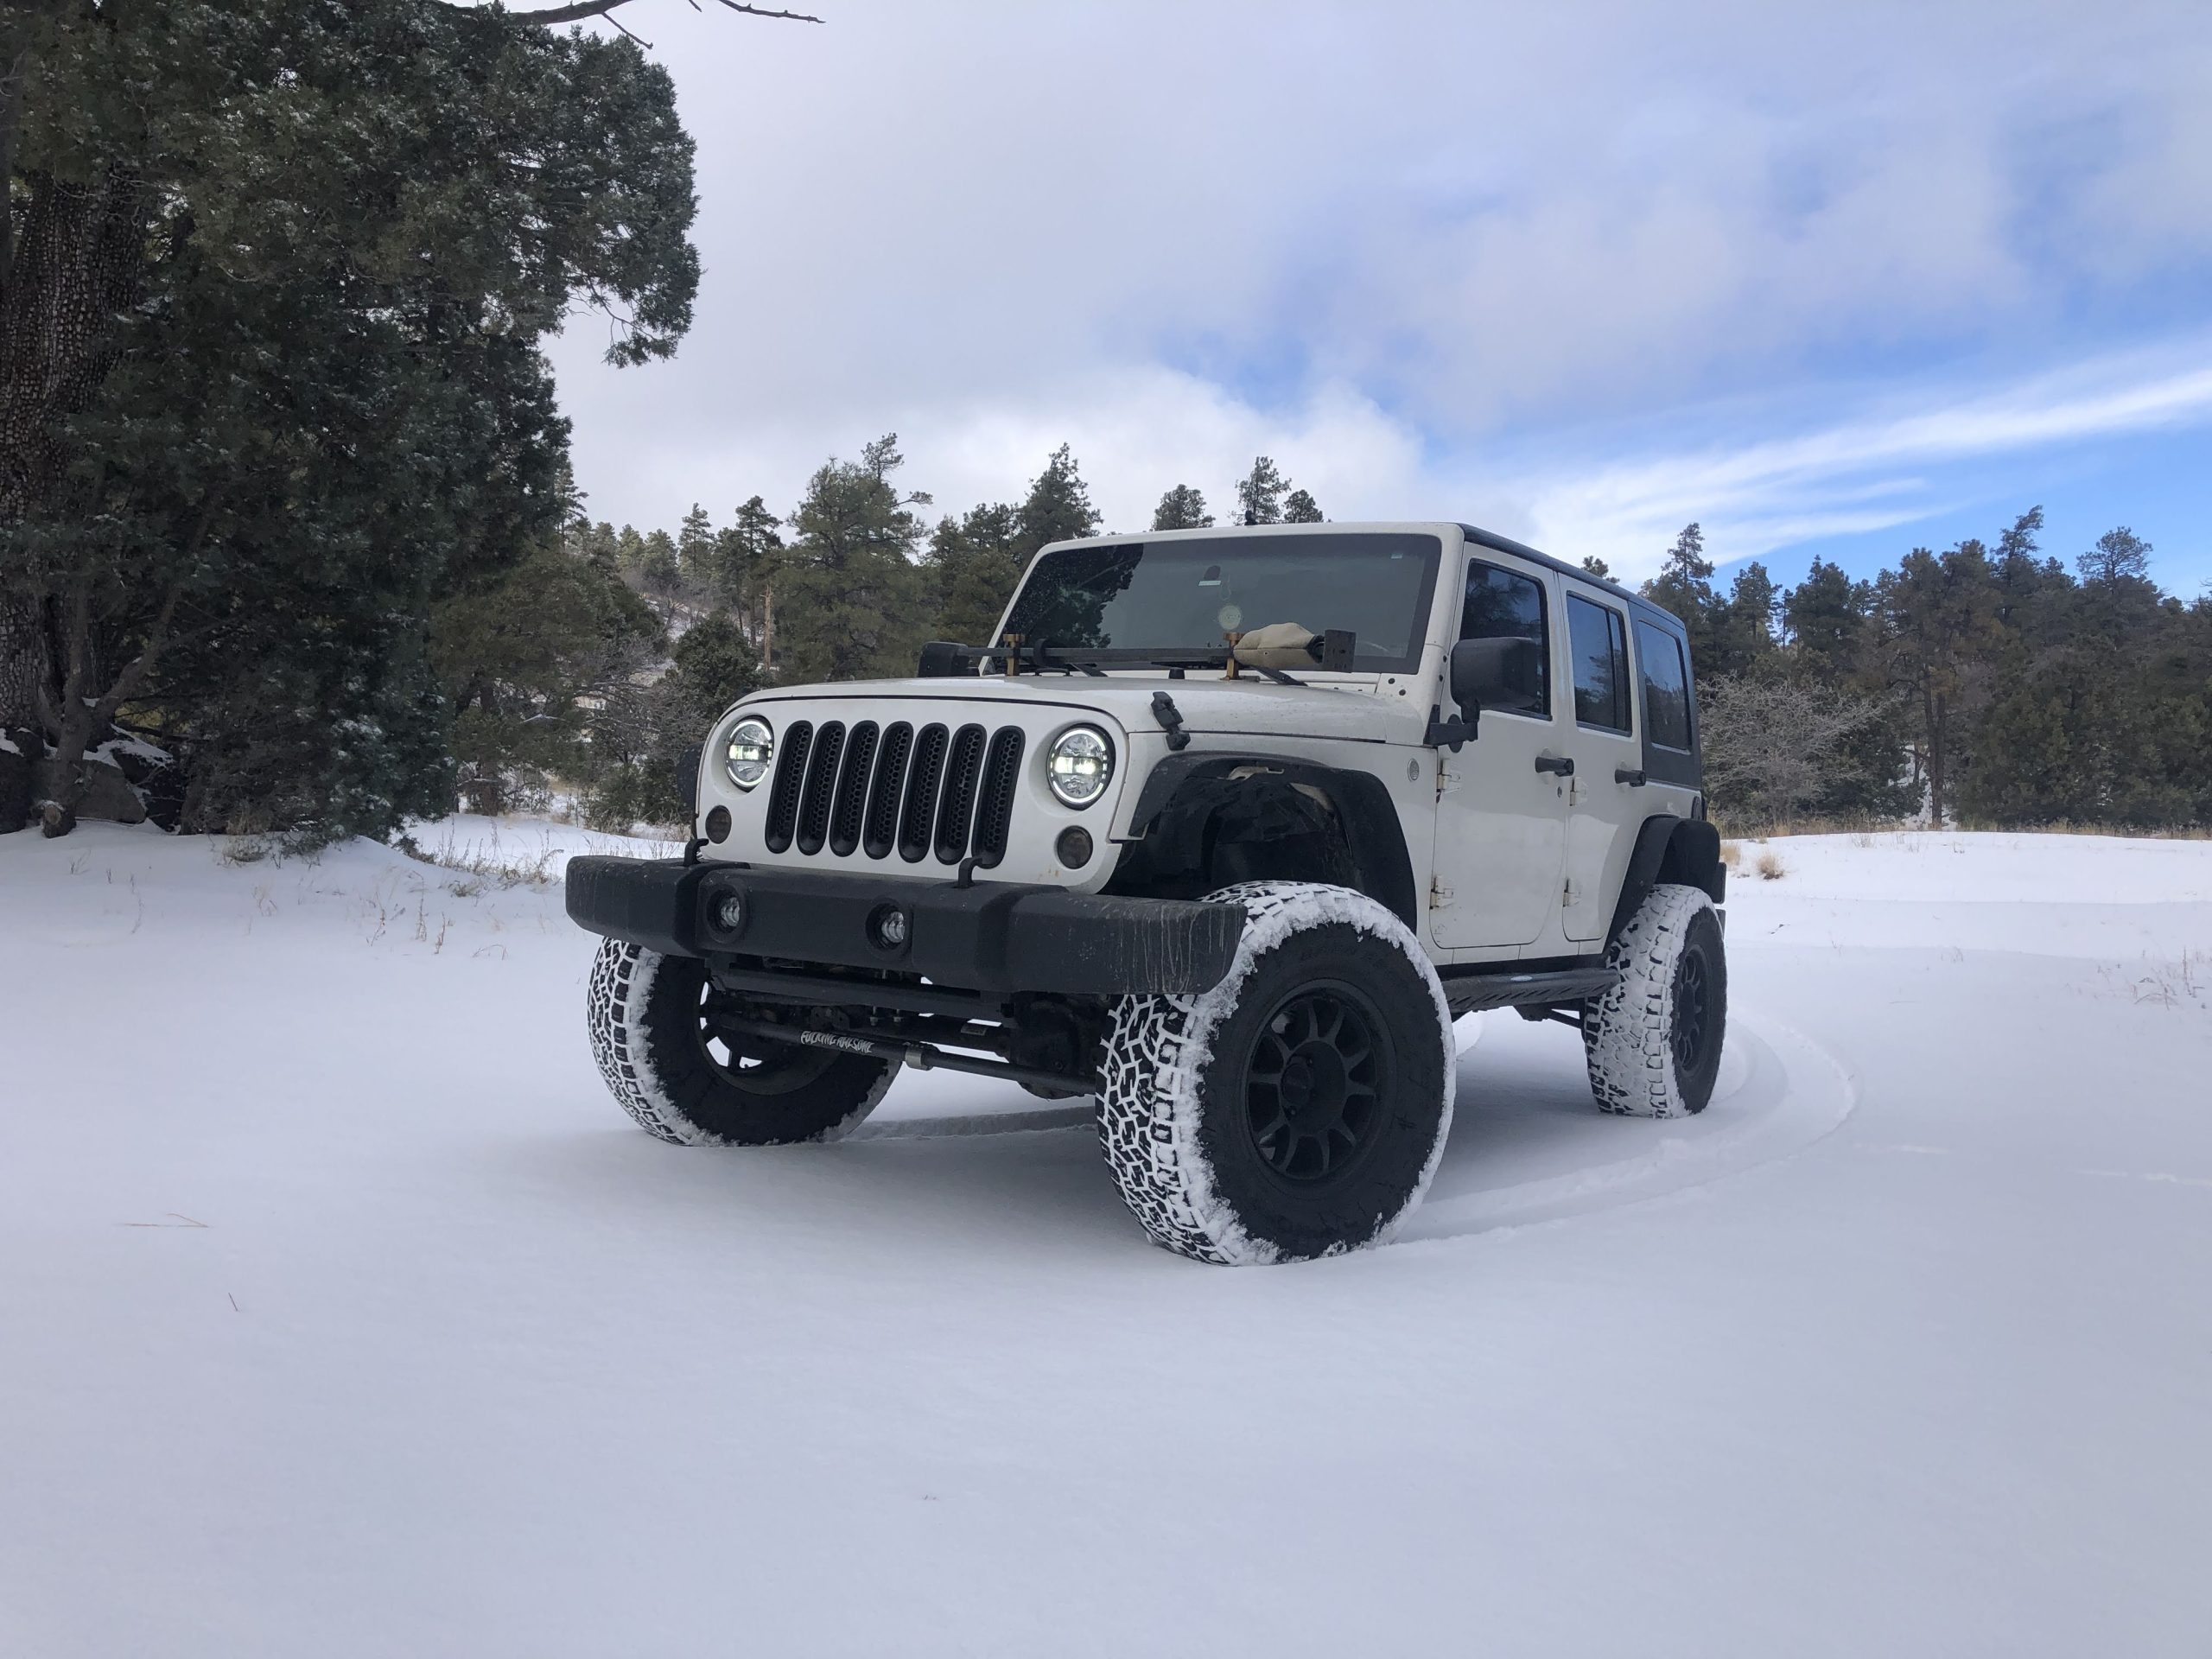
column 1225, row 830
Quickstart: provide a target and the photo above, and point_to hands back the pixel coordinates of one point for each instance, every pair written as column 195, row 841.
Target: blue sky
column 1837, row 280
column 2155, row 484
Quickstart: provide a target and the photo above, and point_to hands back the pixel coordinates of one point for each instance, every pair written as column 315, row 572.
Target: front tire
column 1297, row 1109
column 681, row 1078
column 1653, row 1042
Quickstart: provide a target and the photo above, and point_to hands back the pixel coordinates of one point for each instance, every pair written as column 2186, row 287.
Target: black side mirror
column 944, row 660
column 1504, row 674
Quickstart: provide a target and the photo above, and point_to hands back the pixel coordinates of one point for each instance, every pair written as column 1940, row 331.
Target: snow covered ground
column 342, row 1313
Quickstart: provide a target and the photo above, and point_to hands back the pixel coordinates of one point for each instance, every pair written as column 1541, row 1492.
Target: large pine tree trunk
column 23, row 660
column 24, row 664
column 74, row 265
column 1938, row 761
column 69, row 264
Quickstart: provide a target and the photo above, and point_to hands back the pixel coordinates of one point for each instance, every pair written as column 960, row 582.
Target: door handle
column 1561, row 764
column 1632, row 775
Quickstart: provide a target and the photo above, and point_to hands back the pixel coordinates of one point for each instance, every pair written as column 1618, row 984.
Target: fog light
column 718, row 824
column 728, row 914
column 1073, row 847
column 888, row 927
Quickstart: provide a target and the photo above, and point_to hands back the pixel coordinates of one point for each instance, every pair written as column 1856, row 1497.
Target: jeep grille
column 871, row 790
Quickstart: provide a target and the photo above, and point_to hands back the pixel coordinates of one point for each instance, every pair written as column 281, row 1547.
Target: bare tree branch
column 1767, row 745
column 632, row 33
column 760, row 11
column 577, row 10
column 573, row 13
column 134, row 672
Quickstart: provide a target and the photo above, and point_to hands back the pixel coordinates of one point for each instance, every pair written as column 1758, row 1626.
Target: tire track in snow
column 1791, row 1094
column 1787, row 1093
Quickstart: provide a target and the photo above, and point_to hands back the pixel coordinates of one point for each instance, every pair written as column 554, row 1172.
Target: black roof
column 1637, row 601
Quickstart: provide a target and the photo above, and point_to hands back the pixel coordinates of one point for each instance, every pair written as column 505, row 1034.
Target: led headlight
column 751, row 746
column 1079, row 764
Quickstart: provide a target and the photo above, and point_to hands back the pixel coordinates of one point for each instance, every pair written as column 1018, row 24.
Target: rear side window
column 1506, row 605
column 1598, row 638
column 1666, row 688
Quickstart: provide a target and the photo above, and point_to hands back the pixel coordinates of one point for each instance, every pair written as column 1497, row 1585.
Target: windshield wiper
column 1331, row 652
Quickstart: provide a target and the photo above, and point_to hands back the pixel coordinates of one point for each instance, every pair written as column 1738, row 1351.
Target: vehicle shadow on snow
column 972, row 1164
column 976, row 1175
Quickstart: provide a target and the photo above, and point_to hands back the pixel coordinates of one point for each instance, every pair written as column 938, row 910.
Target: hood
column 1366, row 709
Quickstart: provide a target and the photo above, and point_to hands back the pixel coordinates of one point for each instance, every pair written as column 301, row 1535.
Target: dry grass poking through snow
column 1770, row 865
column 2182, row 981
column 479, row 869
column 1864, row 830
column 494, row 854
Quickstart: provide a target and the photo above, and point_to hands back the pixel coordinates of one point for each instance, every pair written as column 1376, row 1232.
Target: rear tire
column 1653, row 1042
column 1299, row 1108
column 681, row 1079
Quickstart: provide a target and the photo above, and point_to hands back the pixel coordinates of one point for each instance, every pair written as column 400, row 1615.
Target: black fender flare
column 1670, row 848
column 1373, row 835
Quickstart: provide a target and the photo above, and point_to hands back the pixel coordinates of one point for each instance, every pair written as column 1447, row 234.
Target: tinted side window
column 1598, row 640
column 1506, row 605
column 1666, row 688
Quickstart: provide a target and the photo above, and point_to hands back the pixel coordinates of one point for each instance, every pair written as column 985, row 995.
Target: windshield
column 1187, row 594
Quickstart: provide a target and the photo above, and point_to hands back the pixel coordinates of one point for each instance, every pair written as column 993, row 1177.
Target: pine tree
column 1684, row 587
column 1259, row 493
column 851, row 602
column 714, row 665
column 2035, row 601
column 1182, row 508
column 1597, row 567
column 597, row 545
column 1938, row 633
column 515, row 656
column 974, row 563
column 1057, row 507
column 2119, row 556
column 270, row 371
column 746, row 558
column 697, row 550
column 1742, row 627
column 2019, row 577
column 1825, row 616
column 1684, row 584
column 660, row 573
column 1299, row 507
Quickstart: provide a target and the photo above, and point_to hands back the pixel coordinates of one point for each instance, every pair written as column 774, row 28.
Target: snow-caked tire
column 661, row 1061
column 1653, row 1042
column 1297, row 1109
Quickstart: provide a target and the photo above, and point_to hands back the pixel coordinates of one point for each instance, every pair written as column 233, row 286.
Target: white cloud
column 1866, row 472
column 1417, row 250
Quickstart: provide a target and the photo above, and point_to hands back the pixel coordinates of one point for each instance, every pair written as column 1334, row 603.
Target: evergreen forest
column 290, row 543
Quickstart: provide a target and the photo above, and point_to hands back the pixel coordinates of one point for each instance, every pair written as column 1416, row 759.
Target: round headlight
column 751, row 746
column 1079, row 764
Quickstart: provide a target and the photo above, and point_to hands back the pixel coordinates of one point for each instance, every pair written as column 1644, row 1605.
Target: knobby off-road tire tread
column 617, row 999
column 1158, row 1044
column 1626, row 1034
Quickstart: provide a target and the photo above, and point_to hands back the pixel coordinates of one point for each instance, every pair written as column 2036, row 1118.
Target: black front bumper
column 990, row 937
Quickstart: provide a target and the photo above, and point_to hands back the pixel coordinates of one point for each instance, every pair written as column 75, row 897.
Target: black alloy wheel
column 1693, row 1019
column 755, row 1064
column 1318, row 1073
